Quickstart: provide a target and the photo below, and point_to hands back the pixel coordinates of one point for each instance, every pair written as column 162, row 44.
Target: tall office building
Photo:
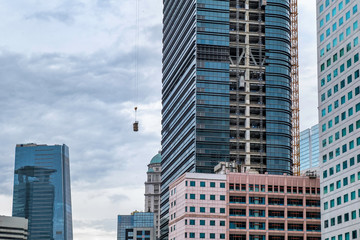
column 152, row 189
column 339, row 114
column 309, row 148
column 226, row 88
column 42, row 190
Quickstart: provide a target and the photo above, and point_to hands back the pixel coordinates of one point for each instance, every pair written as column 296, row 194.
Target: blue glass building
column 138, row 226
column 42, row 190
column 309, row 148
column 226, row 88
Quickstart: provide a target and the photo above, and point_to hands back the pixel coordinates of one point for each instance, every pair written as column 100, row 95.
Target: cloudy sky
column 67, row 76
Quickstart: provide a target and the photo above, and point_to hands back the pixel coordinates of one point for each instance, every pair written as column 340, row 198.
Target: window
column 354, row 234
column 222, row 235
column 351, row 145
column 202, row 209
column 338, row 201
column 212, row 235
column 341, row 5
column 202, row 222
column 222, row 185
column 212, row 222
column 212, row 210
column 341, row 21
column 338, row 184
column 351, row 126
column 352, row 195
column 326, row 205
column 202, row 235
column 202, row 184
column 338, row 168
column 212, row 197
column 330, row 123
column 348, row 63
column 192, row 196
column 192, row 209
column 192, row 222
column 332, row 203
column 325, row 174
column 192, row 183
column 347, row 15
column 346, row 198
column 348, row 31
column 353, row 215
column 202, row 196
column 341, row 37
column 222, row 223
column 192, row 235
column 222, row 210
column 343, row 117
column 346, row 218
column 345, row 181
column 222, row 197
column 212, row 184
column 342, row 51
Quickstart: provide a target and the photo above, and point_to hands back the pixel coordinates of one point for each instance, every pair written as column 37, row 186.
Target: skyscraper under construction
column 226, row 88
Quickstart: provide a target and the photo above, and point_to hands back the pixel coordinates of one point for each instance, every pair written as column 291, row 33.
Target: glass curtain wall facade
column 42, row 190
column 278, row 86
column 339, row 117
column 309, row 148
column 226, row 88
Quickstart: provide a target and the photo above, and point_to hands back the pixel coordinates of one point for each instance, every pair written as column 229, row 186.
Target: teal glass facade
column 278, row 87
column 209, row 114
column 42, row 191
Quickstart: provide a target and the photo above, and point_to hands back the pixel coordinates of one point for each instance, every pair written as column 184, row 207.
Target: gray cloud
column 60, row 16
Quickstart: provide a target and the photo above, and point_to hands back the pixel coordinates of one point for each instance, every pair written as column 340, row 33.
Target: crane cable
column 136, row 63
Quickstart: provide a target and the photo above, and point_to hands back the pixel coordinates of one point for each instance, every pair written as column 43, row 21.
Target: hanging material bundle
column 136, row 123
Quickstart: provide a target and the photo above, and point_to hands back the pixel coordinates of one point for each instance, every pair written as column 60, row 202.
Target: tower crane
column 295, row 87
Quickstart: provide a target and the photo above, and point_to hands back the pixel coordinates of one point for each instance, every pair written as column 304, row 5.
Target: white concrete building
column 339, row 117
column 152, row 189
column 13, row 228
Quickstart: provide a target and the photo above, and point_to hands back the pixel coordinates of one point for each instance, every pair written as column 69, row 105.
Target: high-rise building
column 245, row 206
column 309, row 149
column 339, row 113
column 226, row 88
column 152, row 189
column 13, row 228
column 139, row 226
column 42, row 190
